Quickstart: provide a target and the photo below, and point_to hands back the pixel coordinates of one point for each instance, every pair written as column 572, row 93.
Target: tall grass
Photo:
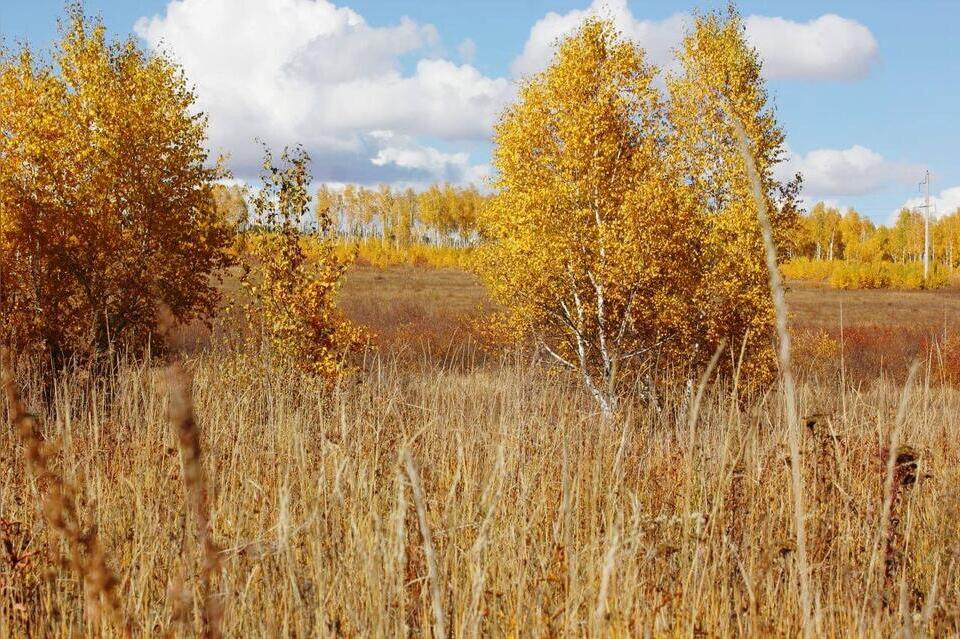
column 544, row 518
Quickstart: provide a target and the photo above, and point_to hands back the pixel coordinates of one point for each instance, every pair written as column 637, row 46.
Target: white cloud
column 945, row 203
column 363, row 100
column 845, row 172
column 657, row 37
column 827, row 48
column 404, row 152
column 307, row 71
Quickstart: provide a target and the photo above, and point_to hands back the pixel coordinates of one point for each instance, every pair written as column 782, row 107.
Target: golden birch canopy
column 622, row 229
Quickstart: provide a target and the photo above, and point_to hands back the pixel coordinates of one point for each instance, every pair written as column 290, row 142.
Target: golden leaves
column 617, row 228
column 104, row 194
column 292, row 295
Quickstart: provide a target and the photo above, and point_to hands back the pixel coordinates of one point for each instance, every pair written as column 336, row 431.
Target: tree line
column 443, row 214
column 826, row 233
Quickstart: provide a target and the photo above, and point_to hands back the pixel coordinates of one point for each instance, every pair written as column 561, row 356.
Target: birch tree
column 592, row 244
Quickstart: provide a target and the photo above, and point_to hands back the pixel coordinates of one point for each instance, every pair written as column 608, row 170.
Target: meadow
column 426, row 311
column 581, row 405
column 444, row 491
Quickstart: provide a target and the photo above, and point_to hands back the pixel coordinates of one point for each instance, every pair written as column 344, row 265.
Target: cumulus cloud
column 657, row 37
column 845, row 172
column 945, row 203
column 403, row 152
column 310, row 72
column 827, row 48
column 363, row 99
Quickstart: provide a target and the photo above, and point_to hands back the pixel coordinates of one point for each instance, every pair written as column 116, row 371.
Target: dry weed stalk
column 59, row 508
column 439, row 621
column 600, row 612
column 786, row 373
column 471, row 624
column 184, row 424
column 906, row 463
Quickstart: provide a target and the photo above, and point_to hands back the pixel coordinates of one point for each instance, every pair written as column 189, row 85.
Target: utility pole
column 926, row 230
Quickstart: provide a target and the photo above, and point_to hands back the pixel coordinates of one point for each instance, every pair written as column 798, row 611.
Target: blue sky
column 405, row 91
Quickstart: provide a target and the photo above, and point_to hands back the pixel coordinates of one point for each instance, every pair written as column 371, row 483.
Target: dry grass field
column 882, row 331
column 487, row 498
column 825, row 307
column 367, row 288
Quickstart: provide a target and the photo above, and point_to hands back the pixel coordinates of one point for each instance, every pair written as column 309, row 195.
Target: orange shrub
column 944, row 355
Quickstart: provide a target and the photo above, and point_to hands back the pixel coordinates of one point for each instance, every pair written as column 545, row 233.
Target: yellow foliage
column 620, row 232
column 293, row 291
column 376, row 253
column 721, row 78
column 373, row 251
column 848, row 274
column 817, row 351
column 106, row 202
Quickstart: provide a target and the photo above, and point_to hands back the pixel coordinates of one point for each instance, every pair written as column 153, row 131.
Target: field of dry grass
column 485, row 497
column 822, row 307
column 811, row 306
column 882, row 331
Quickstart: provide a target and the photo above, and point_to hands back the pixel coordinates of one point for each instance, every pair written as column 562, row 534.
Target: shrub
column 374, row 252
column 293, row 295
column 806, row 269
column 816, row 352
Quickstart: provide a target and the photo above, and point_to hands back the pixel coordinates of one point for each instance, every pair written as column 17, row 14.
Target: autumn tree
column 291, row 296
column 947, row 237
column 405, row 217
column 592, row 240
column 906, row 236
column 720, row 83
column 106, row 196
column 824, row 223
column 855, row 232
column 623, row 227
column 433, row 209
column 328, row 202
column 350, row 201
